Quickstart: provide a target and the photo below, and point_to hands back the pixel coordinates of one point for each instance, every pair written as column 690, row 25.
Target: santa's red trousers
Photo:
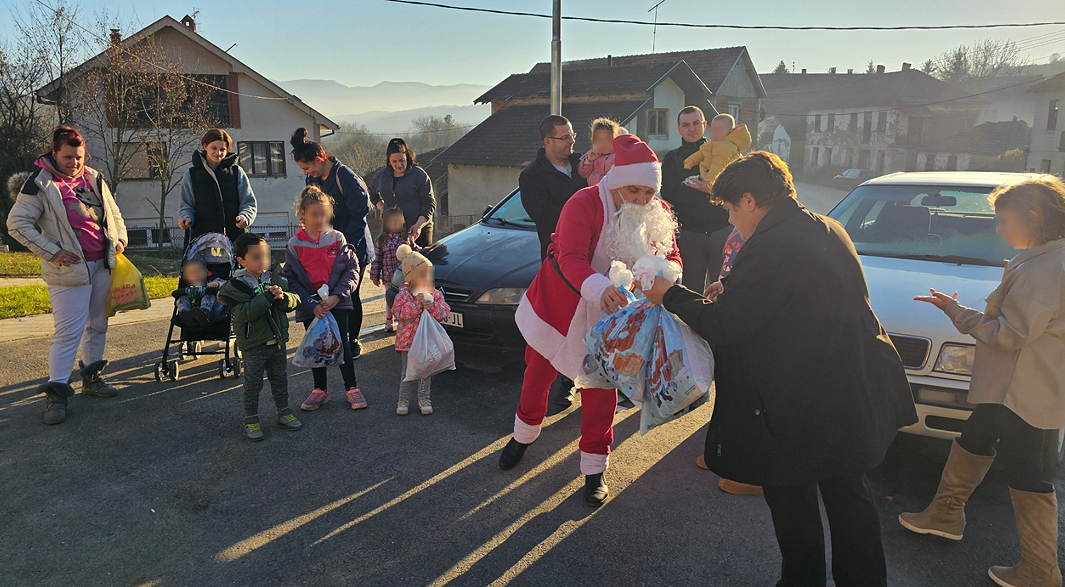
column 597, row 405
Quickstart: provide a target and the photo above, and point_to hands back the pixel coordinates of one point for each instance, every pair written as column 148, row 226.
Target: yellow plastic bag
column 127, row 288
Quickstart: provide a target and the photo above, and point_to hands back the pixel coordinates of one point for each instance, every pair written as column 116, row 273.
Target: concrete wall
column 1044, row 155
column 472, row 187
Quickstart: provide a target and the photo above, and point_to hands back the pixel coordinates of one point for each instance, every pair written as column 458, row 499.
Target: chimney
column 832, row 70
column 850, row 70
column 189, row 23
column 610, row 61
column 880, row 69
column 116, row 36
column 905, row 66
column 804, row 71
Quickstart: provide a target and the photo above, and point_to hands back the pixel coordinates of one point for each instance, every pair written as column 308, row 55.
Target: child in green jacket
column 256, row 297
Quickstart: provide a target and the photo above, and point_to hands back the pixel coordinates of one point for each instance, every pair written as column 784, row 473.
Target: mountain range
column 335, row 99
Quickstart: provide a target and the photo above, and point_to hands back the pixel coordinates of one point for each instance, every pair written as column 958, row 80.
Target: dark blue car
column 483, row 271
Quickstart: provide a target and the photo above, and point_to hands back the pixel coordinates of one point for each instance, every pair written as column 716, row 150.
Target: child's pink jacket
column 408, row 313
column 594, row 171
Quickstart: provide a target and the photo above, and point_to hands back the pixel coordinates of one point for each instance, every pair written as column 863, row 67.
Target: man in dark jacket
column 549, row 181
column 810, row 390
column 703, row 226
column 546, row 185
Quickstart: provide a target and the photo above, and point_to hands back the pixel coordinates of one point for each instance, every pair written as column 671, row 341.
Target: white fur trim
column 648, row 174
column 526, row 433
column 593, row 464
column 593, row 287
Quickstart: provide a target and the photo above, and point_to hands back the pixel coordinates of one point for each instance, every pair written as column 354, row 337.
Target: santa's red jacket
column 551, row 316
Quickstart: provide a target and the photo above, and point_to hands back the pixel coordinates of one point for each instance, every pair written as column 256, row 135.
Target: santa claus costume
column 563, row 303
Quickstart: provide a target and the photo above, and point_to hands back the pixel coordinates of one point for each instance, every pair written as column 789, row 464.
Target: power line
column 166, row 69
column 730, row 26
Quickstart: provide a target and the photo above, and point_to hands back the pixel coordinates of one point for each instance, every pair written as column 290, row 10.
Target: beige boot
column 945, row 516
column 1037, row 526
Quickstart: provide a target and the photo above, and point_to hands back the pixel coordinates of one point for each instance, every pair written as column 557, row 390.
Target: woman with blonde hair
column 1018, row 384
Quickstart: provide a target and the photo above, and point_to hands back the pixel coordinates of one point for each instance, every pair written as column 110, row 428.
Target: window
column 881, row 121
column 853, row 124
column 1061, row 142
column 817, row 123
column 658, row 122
column 1052, row 115
column 952, row 162
column 1044, row 166
column 831, row 123
column 867, row 127
column 262, row 158
column 734, row 110
column 144, row 160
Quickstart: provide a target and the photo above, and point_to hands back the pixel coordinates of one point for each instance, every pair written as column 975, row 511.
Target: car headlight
column 956, row 359
column 502, row 296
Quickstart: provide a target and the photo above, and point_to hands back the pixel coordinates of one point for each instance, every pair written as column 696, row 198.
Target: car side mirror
column 487, row 210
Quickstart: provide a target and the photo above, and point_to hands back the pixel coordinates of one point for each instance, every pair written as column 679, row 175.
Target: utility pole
column 556, row 58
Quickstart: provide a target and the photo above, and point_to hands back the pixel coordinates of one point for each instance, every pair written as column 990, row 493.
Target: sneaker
column 355, row 398
column 425, row 406
column 403, row 407
column 289, row 421
column 315, row 400
column 253, row 432
column 356, row 349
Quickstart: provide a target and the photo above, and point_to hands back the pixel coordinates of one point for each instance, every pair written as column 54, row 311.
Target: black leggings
column 347, row 368
column 1023, row 447
column 354, row 322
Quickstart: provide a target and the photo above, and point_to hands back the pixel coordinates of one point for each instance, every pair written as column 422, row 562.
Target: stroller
column 216, row 252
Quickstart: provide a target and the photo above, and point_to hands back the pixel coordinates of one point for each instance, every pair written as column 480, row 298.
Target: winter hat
column 410, row 260
column 634, row 164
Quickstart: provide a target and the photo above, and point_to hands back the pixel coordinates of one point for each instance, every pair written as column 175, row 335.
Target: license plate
column 454, row 320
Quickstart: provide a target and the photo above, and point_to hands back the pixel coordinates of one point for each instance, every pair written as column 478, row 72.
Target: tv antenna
column 654, row 31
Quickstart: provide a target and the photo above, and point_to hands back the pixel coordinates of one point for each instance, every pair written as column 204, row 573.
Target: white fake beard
column 640, row 230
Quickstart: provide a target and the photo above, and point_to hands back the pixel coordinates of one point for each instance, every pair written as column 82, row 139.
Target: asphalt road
column 158, row 487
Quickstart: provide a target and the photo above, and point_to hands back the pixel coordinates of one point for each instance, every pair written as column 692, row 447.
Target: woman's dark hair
column 217, row 134
column 389, row 214
column 244, row 242
column 1042, row 198
column 398, row 145
column 304, row 150
column 761, row 174
column 66, row 135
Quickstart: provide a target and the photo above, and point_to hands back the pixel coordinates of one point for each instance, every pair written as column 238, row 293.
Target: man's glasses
column 567, row 138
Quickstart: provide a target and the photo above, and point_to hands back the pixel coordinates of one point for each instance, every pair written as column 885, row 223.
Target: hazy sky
column 363, row 42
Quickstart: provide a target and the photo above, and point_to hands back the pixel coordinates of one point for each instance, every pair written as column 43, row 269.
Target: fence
column 147, row 238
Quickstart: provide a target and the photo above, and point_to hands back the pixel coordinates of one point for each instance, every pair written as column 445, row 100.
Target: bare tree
column 54, row 36
column 358, row 148
column 431, row 132
column 983, row 59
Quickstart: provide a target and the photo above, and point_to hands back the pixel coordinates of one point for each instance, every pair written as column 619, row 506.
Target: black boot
column 92, row 383
column 595, row 490
column 512, row 454
column 564, row 396
column 55, row 398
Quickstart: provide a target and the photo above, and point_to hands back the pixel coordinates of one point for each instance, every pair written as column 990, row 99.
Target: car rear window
column 936, row 223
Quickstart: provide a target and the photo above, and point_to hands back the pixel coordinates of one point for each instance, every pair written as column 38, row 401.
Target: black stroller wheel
column 159, row 371
column 173, row 370
column 236, row 367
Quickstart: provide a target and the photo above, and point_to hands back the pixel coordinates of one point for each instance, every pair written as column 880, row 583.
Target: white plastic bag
column 321, row 344
column 431, row 351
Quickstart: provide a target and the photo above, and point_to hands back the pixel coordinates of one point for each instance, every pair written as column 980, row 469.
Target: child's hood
column 741, row 137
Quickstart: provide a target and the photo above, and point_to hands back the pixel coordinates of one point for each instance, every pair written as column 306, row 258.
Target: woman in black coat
column 810, row 390
column 215, row 193
column 402, row 184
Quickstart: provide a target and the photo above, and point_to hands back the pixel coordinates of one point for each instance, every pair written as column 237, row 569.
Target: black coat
column 693, row 208
column 217, row 199
column 544, row 190
column 809, row 385
column 351, row 206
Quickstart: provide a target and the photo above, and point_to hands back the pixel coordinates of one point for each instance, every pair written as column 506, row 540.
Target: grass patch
column 29, row 300
column 19, row 265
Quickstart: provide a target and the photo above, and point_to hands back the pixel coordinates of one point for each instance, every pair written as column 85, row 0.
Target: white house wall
column 669, row 96
column 472, row 187
column 1045, row 143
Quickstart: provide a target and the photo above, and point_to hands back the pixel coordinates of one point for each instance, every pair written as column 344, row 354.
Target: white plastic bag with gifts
column 431, row 350
column 321, row 344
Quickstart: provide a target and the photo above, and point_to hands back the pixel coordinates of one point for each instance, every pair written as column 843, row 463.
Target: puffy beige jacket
column 39, row 221
column 1020, row 338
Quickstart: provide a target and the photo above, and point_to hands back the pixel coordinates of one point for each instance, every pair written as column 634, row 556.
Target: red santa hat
column 634, row 164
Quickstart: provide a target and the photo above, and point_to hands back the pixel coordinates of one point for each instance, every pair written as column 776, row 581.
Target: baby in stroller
column 197, row 304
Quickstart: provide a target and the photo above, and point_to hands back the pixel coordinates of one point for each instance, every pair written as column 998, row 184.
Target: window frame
column 663, row 132
column 1053, row 109
column 270, row 170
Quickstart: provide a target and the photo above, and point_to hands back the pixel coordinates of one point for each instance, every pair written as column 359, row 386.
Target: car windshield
column 952, row 224
column 510, row 212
